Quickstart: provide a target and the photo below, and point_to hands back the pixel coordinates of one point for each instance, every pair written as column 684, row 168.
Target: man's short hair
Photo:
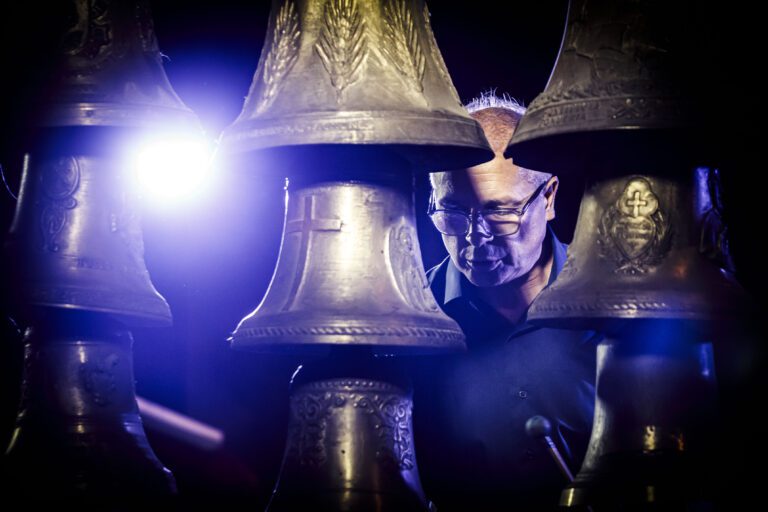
column 488, row 99
column 503, row 109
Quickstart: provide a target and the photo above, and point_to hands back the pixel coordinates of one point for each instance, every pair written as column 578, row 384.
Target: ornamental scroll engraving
column 309, row 421
column 59, row 180
column 90, row 34
column 283, row 52
column 634, row 232
column 98, row 379
column 401, row 43
column 391, row 418
column 314, row 407
column 425, row 333
column 406, row 268
column 343, row 44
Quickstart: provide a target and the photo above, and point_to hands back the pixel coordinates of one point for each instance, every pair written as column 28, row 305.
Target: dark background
column 212, row 258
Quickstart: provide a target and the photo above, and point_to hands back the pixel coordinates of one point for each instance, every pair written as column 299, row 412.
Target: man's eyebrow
column 504, row 202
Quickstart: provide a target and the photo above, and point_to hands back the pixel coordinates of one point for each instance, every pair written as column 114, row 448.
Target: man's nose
column 478, row 233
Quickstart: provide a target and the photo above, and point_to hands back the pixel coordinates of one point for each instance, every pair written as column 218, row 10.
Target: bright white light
column 172, row 168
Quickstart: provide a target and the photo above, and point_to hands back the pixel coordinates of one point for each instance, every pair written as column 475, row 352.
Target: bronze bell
column 76, row 241
column 78, row 431
column 629, row 75
column 350, row 440
column 110, row 72
column 77, row 264
column 650, row 447
column 352, row 90
column 349, row 273
column 350, row 98
column 645, row 247
column 649, row 267
column 649, row 263
column 358, row 72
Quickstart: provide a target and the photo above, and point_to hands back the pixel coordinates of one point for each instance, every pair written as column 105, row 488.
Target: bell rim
column 278, row 336
column 592, row 313
column 158, row 316
column 583, row 151
column 116, row 114
column 366, row 128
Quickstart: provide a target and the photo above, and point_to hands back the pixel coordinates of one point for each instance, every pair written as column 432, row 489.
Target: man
column 470, row 410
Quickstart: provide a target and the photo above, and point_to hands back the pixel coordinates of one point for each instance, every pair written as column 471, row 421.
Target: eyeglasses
column 497, row 221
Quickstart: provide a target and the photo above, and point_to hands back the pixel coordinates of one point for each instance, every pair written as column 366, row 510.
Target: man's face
column 488, row 260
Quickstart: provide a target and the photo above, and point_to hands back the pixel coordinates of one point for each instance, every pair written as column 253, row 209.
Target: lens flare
column 173, row 168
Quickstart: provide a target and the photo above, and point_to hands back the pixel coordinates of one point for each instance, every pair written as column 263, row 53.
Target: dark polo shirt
column 470, row 409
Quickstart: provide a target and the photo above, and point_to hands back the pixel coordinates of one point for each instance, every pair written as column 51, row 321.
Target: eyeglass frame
column 519, row 212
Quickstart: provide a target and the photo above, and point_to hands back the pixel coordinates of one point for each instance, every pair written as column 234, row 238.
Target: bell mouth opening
column 353, row 367
column 391, row 164
column 314, row 347
column 159, row 316
column 603, row 153
column 117, row 115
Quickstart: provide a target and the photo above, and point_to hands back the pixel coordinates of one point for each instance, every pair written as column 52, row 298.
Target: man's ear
column 550, row 191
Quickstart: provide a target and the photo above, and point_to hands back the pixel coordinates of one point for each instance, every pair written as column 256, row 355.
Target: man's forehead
column 483, row 184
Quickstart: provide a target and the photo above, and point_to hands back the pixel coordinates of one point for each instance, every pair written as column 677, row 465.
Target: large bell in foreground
column 361, row 72
column 629, row 75
column 645, row 247
column 350, row 98
column 76, row 241
column 349, row 273
column 110, row 71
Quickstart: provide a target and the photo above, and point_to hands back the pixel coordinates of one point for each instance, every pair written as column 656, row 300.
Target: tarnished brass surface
column 625, row 69
column 76, row 240
column 645, row 247
column 349, row 273
column 649, row 263
column 360, row 72
column 111, row 71
column 350, row 447
column 655, row 397
column 78, row 430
